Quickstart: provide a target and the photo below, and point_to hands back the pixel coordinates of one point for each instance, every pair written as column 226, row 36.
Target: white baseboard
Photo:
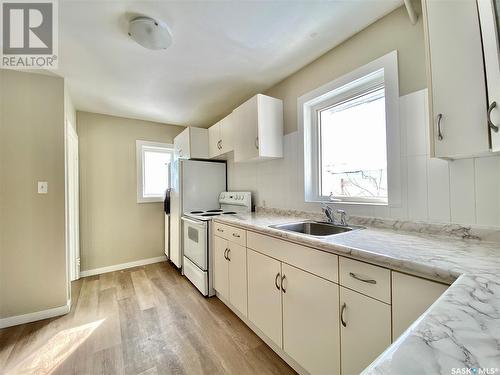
column 122, row 266
column 33, row 317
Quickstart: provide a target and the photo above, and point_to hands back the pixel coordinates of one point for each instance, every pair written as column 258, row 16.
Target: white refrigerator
column 195, row 185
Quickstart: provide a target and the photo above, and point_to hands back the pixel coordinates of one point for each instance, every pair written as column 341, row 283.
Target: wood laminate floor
column 144, row 320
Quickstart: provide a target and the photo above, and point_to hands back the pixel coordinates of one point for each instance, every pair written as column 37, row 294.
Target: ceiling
column 222, row 52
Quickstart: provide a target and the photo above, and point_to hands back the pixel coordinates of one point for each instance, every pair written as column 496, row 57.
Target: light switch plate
column 43, row 187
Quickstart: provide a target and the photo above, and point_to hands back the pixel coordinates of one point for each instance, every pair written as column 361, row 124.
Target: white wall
column 464, row 191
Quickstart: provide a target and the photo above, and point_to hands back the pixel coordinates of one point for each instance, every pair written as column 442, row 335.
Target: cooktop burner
column 211, row 214
column 229, row 213
column 196, row 212
column 214, row 210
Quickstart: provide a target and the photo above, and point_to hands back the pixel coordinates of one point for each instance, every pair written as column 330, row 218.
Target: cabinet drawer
column 230, row 233
column 314, row 261
column 365, row 278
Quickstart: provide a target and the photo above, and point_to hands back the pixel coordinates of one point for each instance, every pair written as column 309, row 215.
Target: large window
column 153, row 178
column 351, row 137
column 352, row 147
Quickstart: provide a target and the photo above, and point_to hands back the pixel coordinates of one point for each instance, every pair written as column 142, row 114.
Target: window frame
column 141, row 147
column 382, row 71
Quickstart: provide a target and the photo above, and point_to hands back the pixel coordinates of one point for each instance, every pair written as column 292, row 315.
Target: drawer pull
column 342, row 315
column 228, row 252
column 220, row 230
column 283, row 278
column 225, row 253
column 276, row 281
column 236, row 235
column 359, row 278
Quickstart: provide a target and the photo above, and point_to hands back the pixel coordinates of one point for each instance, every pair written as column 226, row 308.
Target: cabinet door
column 237, row 255
column 490, row 28
column 181, row 145
column 246, row 142
column 264, row 295
column 311, row 333
column 221, row 269
column 367, row 330
column 226, row 134
column 411, row 296
column 214, row 140
column 457, row 90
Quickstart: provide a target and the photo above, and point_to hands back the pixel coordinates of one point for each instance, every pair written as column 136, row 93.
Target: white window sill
column 150, row 200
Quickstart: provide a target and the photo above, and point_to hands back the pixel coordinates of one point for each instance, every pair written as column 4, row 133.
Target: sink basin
column 315, row 228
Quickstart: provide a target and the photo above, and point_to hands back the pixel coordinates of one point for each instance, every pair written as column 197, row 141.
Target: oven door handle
column 194, row 222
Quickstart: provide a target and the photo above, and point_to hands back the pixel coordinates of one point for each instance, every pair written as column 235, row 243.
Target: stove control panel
column 236, row 198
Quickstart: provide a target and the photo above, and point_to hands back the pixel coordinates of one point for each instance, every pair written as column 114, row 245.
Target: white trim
column 122, row 266
column 389, row 64
column 72, row 257
column 139, row 145
column 35, row 316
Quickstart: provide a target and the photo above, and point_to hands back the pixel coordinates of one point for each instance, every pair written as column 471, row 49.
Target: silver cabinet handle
column 221, row 144
column 490, row 123
column 236, row 235
column 228, row 252
column 283, row 278
column 440, row 133
column 225, row 253
column 276, row 281
column 359, row 278
column 344, row 306
column 257, row 143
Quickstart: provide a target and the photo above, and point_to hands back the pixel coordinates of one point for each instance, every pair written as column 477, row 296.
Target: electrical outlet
column 43, row 187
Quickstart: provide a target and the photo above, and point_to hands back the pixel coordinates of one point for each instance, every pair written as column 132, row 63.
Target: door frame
column 72, row 204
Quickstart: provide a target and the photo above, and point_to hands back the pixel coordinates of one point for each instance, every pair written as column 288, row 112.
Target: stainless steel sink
column 315, row 228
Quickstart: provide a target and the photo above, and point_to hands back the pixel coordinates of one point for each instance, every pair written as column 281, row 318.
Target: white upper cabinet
column 456, row 79
column 489, row 15
column 192, row 143
column 258, row 129
column 220, row 137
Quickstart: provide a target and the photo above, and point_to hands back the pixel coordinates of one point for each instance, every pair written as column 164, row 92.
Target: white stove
column 196, row 238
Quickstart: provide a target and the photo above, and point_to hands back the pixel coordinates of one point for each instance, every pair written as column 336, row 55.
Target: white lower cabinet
column 324, row 325
column 221, row 267
column 230, row 273
column 264, row 295
column 311, row 333
column 365, row 330
column 411, row 296
column 237, row 256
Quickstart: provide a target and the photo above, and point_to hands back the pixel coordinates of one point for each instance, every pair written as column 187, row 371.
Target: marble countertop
column 460, row 331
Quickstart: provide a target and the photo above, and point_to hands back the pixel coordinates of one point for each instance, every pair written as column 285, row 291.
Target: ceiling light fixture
column 149, row 33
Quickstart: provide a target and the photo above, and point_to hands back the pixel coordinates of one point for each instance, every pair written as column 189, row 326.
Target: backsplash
column 465, row 191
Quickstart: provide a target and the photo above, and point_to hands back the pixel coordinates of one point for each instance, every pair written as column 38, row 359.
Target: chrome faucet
column 329, row 213
column 343, row 217
column 331, row 216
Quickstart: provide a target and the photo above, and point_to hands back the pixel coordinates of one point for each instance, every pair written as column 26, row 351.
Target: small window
column 351, row 137
column 352, row 147
column 153, row 178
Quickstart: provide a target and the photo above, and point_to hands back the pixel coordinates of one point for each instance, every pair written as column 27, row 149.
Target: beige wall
column 114, row 228
column 392, row 32
column 32, row 232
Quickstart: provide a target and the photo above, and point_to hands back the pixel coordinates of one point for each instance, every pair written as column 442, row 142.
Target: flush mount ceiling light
column 149, row 33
